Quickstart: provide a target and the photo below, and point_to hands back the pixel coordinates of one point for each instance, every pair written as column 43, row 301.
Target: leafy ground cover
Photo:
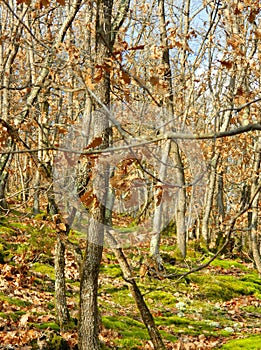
column 216, row 308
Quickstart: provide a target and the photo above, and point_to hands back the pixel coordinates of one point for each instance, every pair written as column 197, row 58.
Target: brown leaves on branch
column 41, row 3
column 227, row 64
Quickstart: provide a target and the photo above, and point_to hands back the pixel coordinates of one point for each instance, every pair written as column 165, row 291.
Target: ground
column 216, row 308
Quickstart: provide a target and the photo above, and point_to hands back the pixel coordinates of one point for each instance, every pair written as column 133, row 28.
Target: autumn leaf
column 95, row 143
column 62, row 226
column 43, row 3
column 258, row 33
column 125, row 77
column 87, row 198
column 27, row 2
column 138, row 47
column 252, row 15
column 23, row 320
column 226, row 64
column 154, row 80
column 98, row 75
column 61, row 130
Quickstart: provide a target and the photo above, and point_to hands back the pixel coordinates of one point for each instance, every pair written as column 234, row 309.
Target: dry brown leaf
column 125, row 77
column 62, row 226
column 98, row 75
column 227, row 64
column 154, row 80
column 95, row 143
column 23, row 320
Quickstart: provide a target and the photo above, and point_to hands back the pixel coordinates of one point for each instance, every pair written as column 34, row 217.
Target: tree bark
column 179, row 173
column 88, row 330
column 157, row 219
column 3, row 182
column 60, row 287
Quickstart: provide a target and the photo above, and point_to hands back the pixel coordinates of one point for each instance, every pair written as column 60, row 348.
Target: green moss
column 14, row 301
column 7, row 230
column 250, row 343
column 132, row 332
column 50, row 325
column 162, row 297
column 50, row 306
column 22, row 248
column 43, row 241
column 56, row 342
column 128, row 229
column 253, row 277
column 223, row 287
column 111, row 270
column 228, row 264
column 239, row 287
column 122, row 297
column 40, row 216
column 173, row 321
column 44, row 269
column 14, row 316
column 21, row 226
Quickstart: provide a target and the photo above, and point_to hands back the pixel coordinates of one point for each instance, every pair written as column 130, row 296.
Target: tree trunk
column 146, row 316
column 180, row 203
column 179, row 173
column 60, row 288
column 3, row 182
column 88, row 330
column 209, row 199
column 157, row 219
column 255, row 239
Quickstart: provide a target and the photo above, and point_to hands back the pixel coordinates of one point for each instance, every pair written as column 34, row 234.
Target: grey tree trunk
column 88, row 330
column 179, row 173
column 209, row 198
column 157, row 219
column 60, row 288
column 3, row 182
column 180, row 202
column 255, row 239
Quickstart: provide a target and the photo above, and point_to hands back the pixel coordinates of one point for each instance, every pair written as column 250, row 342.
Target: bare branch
column 137, row 143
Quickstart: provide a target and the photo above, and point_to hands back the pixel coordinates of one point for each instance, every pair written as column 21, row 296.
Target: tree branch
column 138, row 143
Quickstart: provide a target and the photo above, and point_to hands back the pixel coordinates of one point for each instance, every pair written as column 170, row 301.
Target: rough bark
column 88, row 330
column 60, row 288
column 3, row 182
column 89, row 321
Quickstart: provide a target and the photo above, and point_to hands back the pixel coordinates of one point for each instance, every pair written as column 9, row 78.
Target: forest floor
column 218, row 307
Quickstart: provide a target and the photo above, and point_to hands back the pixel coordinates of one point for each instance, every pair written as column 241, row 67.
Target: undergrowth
column 219, row 304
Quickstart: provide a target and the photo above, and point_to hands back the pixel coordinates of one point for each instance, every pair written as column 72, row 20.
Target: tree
column 159, row 85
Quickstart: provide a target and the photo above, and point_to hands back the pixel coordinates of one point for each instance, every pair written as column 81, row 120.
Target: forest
column 130, row 174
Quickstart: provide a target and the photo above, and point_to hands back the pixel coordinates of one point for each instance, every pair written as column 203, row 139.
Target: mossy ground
column 219, row 304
